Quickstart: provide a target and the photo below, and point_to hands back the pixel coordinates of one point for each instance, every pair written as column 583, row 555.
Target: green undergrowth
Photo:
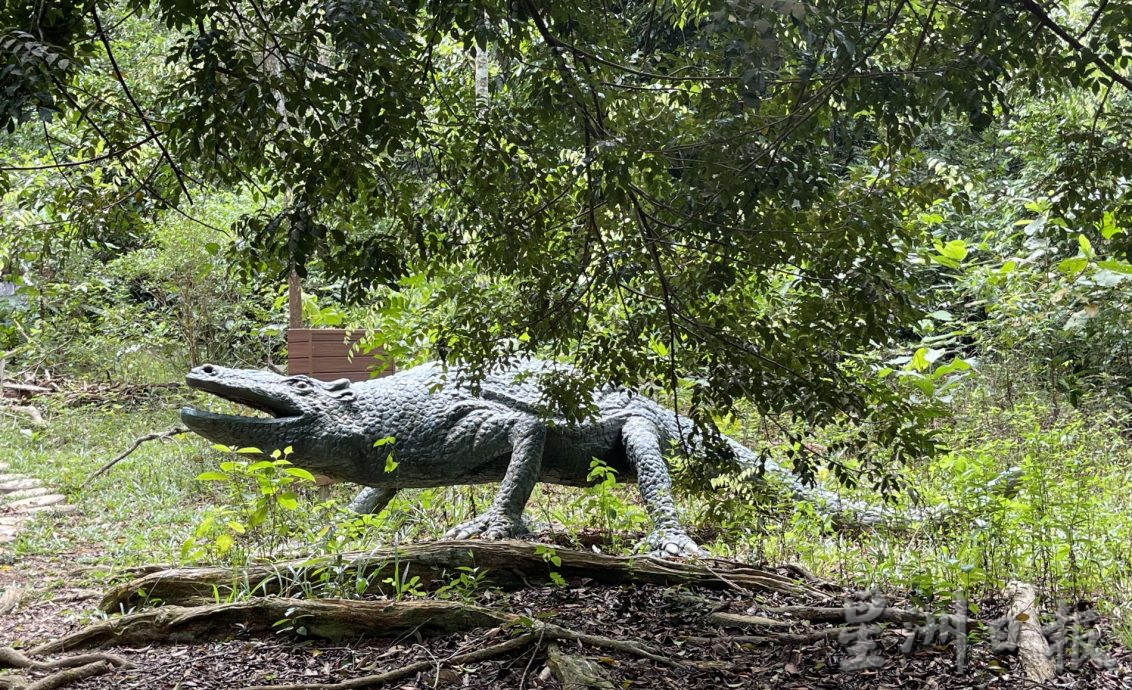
column 1065, row 525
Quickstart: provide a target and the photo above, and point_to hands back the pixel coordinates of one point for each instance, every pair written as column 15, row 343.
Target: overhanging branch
column 1089, row 54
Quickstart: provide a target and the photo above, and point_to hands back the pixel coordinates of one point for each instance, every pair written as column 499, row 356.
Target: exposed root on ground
column 513, row 564
column 511, row 645
column 73, row 668
column 331, row 619
column 507, row 564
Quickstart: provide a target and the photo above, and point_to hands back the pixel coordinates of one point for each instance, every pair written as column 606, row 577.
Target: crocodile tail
column 849, row 511
column 843, row 510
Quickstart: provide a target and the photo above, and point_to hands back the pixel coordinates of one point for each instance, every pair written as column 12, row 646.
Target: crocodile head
column 304, row 411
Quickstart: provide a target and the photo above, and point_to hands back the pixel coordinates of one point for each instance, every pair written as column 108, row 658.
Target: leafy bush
column 260, row 514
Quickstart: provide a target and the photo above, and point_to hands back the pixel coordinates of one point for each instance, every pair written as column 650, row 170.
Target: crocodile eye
column 301, row 385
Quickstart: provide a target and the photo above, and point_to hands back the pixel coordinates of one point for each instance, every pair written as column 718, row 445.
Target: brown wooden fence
column 325, row 353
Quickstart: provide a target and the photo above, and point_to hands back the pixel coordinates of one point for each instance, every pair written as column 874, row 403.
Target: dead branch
column 10, row 600
column 735, row 619
column 332, row 619
column 1033, row 648
column 850, row 614
column 148, row 437
column 506, row 564
column 576, row 672
column 780, row 638
column 29, row 388
column 31, row 411
column 807, row 575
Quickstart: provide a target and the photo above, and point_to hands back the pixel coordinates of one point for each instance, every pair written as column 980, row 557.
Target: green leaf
column 224, row 543
column 951, row 367
column 288, row 500
column 1072, row 266
column 920, row 359
column 1109, row 228
column 213, row 476
column 956, row 250
column 1086, row 246
column 1116, row 266
column 300, row 473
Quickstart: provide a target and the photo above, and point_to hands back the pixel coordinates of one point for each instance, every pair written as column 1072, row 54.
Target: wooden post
column 295, row 299
column 295, row 307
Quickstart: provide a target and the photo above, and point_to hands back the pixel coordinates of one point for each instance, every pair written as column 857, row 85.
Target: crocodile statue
column 443, row 434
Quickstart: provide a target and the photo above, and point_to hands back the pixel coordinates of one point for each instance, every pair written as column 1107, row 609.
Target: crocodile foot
column 490, row 525
column 669, row 542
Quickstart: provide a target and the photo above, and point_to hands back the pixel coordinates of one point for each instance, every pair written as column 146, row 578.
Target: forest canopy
column 764, row 201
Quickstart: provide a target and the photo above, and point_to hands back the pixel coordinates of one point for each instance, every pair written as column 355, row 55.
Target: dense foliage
column 726, row 201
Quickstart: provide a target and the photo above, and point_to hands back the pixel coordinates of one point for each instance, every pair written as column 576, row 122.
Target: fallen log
column 505, row 564
column 1033, row 648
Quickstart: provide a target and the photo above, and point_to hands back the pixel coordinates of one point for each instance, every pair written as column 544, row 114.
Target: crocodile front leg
column 505, row 517
column 642, row 446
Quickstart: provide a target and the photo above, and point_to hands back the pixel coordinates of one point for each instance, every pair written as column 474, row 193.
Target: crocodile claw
column 672, row 543
column 489, row 526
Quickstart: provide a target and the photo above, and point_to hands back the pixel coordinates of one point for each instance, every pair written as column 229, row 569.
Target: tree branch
column 1088, row 53
column 74, row 164
column 137, row 108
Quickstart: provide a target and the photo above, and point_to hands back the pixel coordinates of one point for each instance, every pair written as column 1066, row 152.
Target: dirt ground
column 673, row 620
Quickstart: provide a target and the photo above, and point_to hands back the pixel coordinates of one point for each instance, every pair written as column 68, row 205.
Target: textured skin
column 445, row 435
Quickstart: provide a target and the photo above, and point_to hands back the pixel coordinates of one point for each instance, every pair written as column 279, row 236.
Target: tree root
column 542, row 632
column 507, row 564
column 332, row 619
column 849, row 613
column 412, row 669
column 74, row 668
column 556, row 632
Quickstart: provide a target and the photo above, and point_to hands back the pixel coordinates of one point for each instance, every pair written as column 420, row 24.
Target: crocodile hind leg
column 505, row 516
column 372, row 500
column 642, row 446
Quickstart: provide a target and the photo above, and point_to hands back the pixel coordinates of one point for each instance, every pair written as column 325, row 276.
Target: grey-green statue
column 445, row 435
